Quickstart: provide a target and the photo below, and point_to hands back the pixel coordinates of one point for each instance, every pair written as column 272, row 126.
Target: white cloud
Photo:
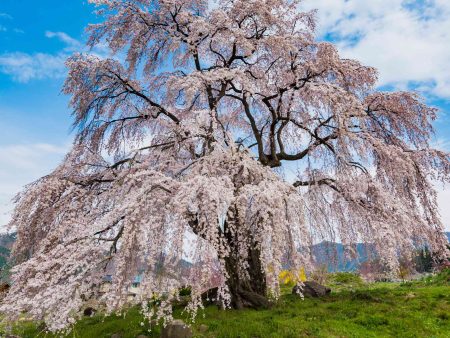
column 442, row 144
column 23, row 67
column 408, row 41
column 5, row 16
column 72, row 44
column 22, row 164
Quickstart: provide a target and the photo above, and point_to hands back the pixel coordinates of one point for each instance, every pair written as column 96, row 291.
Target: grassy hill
column 418, row 309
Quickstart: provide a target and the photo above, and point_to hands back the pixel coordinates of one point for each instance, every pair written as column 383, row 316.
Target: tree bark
column 247, row 291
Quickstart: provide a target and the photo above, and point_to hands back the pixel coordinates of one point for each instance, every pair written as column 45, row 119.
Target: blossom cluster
column 228, row 137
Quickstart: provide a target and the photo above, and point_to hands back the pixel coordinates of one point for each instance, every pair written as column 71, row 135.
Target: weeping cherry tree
column 228, row 136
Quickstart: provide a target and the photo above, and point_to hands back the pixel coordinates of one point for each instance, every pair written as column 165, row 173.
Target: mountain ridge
column 329, row 254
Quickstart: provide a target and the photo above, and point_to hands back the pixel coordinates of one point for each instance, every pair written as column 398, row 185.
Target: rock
column 117, row 335
column 176, row 329
column 203, row 328
column 142, row 336
column 254, row 300
column 312, row 289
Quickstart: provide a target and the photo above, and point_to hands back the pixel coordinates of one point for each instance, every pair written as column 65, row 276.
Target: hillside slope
column 420, row 309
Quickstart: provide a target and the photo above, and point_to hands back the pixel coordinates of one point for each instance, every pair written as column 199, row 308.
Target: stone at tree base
column 254, row 300
column 176, row 329
column 247, row 299
column 312, row 289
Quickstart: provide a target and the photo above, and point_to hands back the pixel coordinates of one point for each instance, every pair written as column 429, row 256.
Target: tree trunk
column 247, row 292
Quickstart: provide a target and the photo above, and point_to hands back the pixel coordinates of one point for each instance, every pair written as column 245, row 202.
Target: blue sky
column 407, row 40
column 31, row 106
column 35, row 38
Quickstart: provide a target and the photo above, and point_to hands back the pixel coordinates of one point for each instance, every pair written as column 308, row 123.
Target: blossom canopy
column 226, row 136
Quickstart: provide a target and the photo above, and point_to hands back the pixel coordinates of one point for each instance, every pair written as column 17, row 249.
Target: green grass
column 419, row 309
column 344, row 281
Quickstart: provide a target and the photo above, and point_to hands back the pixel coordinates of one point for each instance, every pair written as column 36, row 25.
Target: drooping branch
column 154, row 169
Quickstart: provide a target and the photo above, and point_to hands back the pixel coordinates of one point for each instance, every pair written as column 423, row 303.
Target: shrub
column 344, row 280
column 186, row 291
column 290, row 278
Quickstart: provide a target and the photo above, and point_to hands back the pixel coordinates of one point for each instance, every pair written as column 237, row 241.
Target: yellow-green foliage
column 291, row 278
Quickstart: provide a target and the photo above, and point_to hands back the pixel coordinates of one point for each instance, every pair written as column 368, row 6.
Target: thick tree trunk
column 247, row 292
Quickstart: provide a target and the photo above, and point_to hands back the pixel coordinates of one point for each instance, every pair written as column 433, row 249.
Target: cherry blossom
column 228, row 135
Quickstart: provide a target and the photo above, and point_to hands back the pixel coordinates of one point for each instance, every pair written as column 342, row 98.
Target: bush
column 186, row 291
column 347, row 278
column 289, row 278
column 344, row 280
column 442, row 278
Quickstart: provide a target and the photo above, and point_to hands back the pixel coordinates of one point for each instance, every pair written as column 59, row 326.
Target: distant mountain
column 334, row 257
column 327, row 254
column 7, row 240
column 6, row 243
